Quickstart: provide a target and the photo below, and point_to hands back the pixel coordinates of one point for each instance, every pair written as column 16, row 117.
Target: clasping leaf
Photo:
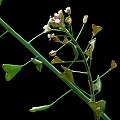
column 11, row 70
column 38, row 64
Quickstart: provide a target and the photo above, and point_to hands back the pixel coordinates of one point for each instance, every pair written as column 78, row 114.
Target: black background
column 30, row 88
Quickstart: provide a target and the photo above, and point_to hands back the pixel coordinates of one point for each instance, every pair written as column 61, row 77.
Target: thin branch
column 4, row 33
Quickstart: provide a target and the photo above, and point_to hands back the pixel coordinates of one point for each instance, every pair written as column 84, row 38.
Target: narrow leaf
column 56, row 60
column 38, row 64
column 11, row 70
column 98, row 107
column 96, row 29
column 40, row 108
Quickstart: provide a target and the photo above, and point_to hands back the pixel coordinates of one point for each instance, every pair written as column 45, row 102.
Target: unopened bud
column 85, row 18
column 52, row 53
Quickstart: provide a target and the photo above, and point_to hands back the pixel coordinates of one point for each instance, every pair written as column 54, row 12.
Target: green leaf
column 40, row 108
column 0, row 2
column 67, row 74
column 38, row 64
column 98, row 107
column 11, row 70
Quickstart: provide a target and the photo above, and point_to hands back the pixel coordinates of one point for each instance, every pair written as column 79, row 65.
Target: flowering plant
column 62, row 23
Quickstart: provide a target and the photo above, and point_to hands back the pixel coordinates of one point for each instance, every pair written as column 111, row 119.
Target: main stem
column 49, row 65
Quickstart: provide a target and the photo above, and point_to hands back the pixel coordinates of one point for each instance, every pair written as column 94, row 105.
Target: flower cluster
column 58, row 20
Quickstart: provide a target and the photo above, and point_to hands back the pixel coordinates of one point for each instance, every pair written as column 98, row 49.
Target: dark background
column 30, row 88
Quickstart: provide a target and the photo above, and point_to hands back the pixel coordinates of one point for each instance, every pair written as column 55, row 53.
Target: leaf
column 96, row 29
column 0, row 2
column 98, row 85
column 56, row 60
column 38, row 64
column 11, row 70
column 98, row 107
column 113, row 64
column 89, row 53
column 67, row 75
column 40, row 108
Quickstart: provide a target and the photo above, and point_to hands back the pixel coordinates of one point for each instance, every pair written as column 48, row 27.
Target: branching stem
column 51, row 67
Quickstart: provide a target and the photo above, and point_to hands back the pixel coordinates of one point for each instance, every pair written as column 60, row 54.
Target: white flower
column 85, row 18
column 56, row 14
column 51, row 36
column 68, row 10
column 60, row 12
column 47, row 28
column 57, row 20
column 48, row 35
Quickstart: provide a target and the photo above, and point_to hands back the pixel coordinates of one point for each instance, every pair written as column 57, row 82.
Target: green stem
column 79, row 72
column 80, row 32
column 61, row 96
column 63, row 46
column 102, row 75
column 57, row 30
column 36, row 37
column 61, row 35
column 29, row 61
column 72, row 61
column 85, row 92
column 69, row 26
column 88, row 44
column 49, row 65
column 4, row 33
column 85, row 63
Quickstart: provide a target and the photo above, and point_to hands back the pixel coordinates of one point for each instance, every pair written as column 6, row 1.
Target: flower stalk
column 57, row 21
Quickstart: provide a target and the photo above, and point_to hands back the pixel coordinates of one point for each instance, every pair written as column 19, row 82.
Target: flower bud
column 47, row 28
column 68, row 10
column 68, row 19
column 85, row 18
column 52, row 53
